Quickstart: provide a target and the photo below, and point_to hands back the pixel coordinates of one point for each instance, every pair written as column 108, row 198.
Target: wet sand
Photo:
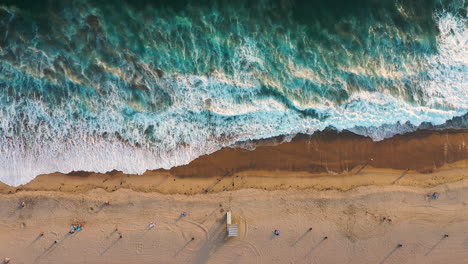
column 344, row 186
column 325, row 160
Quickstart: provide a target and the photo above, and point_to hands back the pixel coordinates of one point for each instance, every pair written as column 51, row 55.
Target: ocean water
column 137, row 85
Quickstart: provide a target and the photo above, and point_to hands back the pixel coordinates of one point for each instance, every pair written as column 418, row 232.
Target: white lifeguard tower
column 232, row 230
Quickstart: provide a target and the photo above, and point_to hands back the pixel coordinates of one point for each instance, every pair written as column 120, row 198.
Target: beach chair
column 232, row 230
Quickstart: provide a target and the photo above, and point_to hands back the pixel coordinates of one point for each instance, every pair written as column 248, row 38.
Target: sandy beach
column 365, row 209
column 329, row 132
column 357, row 224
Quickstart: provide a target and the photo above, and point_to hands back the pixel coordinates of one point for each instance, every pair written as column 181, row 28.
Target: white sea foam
column 207, row 113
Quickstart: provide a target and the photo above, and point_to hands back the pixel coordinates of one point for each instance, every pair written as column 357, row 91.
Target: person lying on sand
column 76, row 227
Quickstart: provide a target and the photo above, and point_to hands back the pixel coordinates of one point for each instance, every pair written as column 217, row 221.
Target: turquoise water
column 137, row 85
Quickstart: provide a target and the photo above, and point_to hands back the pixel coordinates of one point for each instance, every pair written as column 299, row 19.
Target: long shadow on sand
column 36, row 239
column 434, row 246
column 54, row 245
column 401, row 176
column 314, row 248
column 182, row 248
column 159, row 183
column 111, row 245
column 388, row 255
column 300, row 238
column 100, row 208
column 363, row 167
column 209, row 216
column 20, row 208
column 217, row 239
column 47, row 251
column 210, row 188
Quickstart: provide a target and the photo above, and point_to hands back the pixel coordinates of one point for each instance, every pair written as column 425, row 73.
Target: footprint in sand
column 138, row 248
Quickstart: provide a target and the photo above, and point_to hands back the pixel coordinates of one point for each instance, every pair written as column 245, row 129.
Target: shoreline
column 324, row 160
column 365, row 210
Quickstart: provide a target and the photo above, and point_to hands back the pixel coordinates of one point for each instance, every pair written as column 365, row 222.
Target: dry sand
column 352, row 220
column 332, row 187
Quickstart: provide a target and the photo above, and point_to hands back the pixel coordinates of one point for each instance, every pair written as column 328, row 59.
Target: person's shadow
column 315, row 247
column 111, row 245
column 435, row 245
column 181, row 249
column 401, row 176
column 389, row 255
column 301, row 237
column 36, row 239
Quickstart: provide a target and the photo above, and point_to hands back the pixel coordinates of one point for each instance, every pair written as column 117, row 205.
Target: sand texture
column 353, row 221
column 343, row 186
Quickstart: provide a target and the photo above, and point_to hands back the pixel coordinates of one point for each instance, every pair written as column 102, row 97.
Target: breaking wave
column 132, row 87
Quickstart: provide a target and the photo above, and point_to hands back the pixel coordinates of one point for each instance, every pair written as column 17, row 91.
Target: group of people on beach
column 80, row 226
column 276, row 232
column 77, row 227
